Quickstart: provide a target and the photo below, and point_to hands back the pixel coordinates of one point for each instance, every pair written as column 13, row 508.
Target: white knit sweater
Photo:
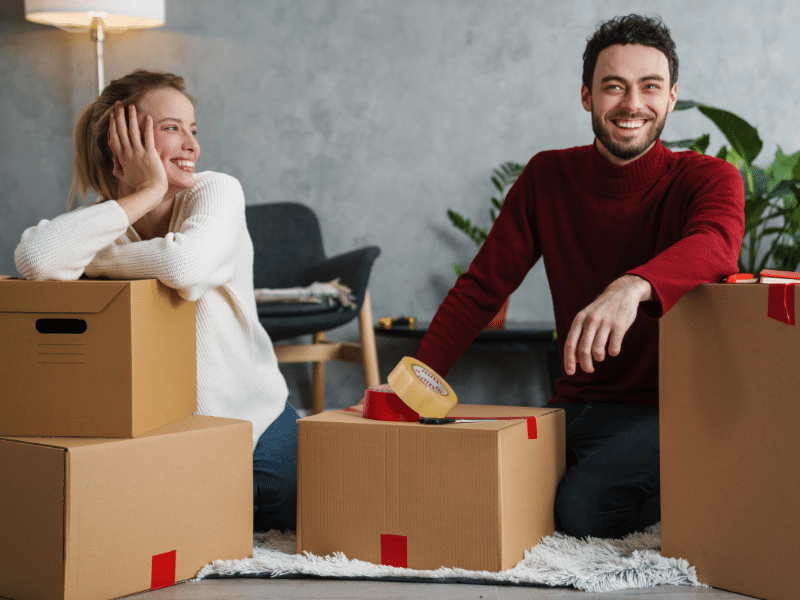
column 207, row 257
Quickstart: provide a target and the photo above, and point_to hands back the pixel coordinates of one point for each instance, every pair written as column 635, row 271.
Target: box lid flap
column 82, row 296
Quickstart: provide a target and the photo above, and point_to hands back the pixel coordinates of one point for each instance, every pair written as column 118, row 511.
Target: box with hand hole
column 94, row 358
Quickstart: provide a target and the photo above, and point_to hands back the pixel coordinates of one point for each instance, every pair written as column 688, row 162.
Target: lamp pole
column 98, row 36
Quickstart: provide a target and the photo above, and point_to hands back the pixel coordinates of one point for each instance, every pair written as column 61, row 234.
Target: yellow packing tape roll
column 421, row 388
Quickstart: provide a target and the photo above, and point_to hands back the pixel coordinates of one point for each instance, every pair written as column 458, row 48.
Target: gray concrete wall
column 381, row 115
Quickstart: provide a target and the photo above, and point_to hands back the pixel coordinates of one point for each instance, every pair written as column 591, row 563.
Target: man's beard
column 624, row 151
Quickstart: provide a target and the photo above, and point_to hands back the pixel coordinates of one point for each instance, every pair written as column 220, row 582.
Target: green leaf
column 761, row 183
column 783, row 168
column 684, row 104
column 476, row 235
column 742, row 136
column 723, row 153
column 683, row 143
column 735, row 159
column 786, row 191
column 700, row 145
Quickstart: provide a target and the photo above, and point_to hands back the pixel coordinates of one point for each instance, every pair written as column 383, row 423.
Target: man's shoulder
column 702, row 166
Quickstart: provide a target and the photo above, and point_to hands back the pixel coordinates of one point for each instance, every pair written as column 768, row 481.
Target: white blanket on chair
column 316, row 293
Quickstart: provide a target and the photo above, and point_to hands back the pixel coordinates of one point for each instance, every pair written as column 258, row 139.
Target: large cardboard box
column 730, row 449
column 94, row 518
column 94, row 358
column 474, row 496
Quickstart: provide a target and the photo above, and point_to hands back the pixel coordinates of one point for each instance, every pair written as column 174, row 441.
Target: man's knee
column 585, row 509
column 576, row 509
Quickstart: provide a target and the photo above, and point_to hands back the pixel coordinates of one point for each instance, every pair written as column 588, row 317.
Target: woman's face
column 175, row 134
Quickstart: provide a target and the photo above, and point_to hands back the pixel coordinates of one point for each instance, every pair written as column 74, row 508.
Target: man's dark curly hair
column 633, row 29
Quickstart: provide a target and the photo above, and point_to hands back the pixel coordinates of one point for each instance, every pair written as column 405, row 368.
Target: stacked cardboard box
column 110, row 485
column 729, row 445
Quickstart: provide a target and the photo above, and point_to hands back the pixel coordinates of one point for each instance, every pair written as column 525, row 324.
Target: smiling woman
column 136, row 147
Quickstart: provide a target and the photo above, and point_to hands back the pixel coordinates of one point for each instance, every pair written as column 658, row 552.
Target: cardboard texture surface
column 474, row 496
column 94, row 358
column 729, row 444
column 94, row 519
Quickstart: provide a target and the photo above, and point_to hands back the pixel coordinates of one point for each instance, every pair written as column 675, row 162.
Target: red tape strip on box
column 163, row 572
column 394, row 550
column 781, row 302
column 382, row 405
column 532, row 432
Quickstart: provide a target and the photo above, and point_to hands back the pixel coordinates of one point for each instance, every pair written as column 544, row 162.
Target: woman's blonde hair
column 93, row 165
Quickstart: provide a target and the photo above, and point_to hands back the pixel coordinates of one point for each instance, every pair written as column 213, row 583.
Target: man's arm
column 709, row 247
column 604, row 323
column 503, row 261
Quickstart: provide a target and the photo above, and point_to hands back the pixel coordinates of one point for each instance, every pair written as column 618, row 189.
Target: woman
column 136, row 146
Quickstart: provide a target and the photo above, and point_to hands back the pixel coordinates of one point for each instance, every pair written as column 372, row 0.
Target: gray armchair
column 288, row 253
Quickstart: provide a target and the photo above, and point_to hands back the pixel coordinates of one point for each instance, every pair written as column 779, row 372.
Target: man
column 625, row 227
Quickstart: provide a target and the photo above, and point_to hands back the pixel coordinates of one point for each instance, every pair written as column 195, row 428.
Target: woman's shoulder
column 206, row 179
column 211, row 185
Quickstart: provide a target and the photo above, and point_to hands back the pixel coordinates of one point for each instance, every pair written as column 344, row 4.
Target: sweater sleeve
column 199, row 256
column 503, row 261
column 711, row 238
column 60, row 249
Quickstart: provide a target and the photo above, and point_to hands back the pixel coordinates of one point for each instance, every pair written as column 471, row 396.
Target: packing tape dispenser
column 421, row 388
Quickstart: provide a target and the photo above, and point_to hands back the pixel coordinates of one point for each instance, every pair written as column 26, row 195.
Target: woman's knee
column 275, row 501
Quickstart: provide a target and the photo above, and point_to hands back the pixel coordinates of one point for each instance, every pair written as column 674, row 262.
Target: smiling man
column 625, row 227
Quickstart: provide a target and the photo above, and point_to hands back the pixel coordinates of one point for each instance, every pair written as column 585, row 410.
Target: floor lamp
column 97, row 17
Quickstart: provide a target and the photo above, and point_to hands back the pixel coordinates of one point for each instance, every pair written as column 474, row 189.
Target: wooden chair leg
column 318, row 376
column 368, row 347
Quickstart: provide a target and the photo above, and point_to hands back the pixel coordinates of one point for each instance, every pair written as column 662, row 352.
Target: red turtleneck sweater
column 675, row 219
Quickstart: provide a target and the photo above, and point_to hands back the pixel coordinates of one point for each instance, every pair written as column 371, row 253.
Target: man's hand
column 604, row 323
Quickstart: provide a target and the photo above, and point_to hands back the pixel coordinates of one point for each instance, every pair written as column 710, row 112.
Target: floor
column 252, row 589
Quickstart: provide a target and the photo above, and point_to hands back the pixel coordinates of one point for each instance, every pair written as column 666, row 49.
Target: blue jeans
column 275, row 474
column 612, row 483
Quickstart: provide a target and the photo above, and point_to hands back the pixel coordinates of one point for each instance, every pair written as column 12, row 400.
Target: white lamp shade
column 116, row 14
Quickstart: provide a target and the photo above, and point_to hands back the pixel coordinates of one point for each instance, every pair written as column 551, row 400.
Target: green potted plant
column 503, row 178
column 772, row 194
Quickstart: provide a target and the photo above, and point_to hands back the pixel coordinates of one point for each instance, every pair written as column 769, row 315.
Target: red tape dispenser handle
column 385, row 405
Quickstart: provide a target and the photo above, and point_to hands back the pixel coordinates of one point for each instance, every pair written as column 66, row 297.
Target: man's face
column 629, row 101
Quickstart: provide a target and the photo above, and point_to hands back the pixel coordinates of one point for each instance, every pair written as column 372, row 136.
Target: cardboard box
column 94, row 358
column 730, row 449
column 474, row 496
column 93, row 518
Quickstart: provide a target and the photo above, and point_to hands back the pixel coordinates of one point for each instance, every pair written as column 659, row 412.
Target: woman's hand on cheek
column 136, row 162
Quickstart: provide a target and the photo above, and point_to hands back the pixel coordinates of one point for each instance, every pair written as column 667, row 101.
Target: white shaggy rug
column 590, row 564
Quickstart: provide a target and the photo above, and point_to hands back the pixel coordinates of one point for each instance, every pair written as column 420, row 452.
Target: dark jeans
column 275, row 474
column 612, row 484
